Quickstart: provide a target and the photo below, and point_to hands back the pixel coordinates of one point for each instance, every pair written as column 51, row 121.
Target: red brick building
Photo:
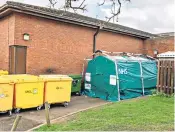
column 35, row 39
column 162, row 43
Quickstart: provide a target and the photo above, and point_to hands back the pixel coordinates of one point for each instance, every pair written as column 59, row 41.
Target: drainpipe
column 94, row 40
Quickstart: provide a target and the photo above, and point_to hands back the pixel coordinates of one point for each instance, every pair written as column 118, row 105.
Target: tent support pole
column 141, row 73
column 118, row 86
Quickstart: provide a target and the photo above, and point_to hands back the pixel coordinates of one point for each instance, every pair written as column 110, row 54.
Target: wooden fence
column 165, row 78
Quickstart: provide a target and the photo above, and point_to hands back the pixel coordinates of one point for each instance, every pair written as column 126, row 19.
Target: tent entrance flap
column 100, row 79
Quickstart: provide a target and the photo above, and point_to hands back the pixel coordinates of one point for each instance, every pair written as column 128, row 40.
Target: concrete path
column 32, row 118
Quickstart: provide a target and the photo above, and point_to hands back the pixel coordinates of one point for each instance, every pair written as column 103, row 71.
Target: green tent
column 114, row 78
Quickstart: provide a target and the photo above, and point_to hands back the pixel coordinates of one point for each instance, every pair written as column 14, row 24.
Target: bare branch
column 100, row 4
column 82, row 6
column 114, row 13
column 52, row 3
column 115, row 6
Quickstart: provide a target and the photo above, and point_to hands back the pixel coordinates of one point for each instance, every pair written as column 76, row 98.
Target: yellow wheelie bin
column 6, row 95
column 28, row 91
column 57, row 89
column 2, row 72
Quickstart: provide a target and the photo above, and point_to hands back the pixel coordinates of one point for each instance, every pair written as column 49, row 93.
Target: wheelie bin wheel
column 65, row 104
column 78, row 93
column 10, row 113
column 17, row 111
column 39, row 108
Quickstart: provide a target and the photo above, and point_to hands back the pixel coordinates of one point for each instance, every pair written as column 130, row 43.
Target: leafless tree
column 81, row 6
column 114, row 5
column 52, row 3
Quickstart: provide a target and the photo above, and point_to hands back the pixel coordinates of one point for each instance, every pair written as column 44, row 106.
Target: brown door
column 18, row 59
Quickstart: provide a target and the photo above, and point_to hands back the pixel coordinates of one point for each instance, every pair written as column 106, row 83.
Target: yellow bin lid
column 5, row 80
column 55, row 77
column 23, row 78
column 4, row 72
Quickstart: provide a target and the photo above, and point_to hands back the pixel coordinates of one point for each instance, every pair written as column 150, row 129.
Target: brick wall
column 161, row 44
column 6, row 37
column 63, row 46
column 109, row 41
column 53, row 44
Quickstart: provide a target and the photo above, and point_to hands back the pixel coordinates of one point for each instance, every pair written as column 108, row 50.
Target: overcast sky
column 154, row 16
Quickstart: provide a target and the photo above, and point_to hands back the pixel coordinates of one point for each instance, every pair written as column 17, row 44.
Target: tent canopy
column 120, row 77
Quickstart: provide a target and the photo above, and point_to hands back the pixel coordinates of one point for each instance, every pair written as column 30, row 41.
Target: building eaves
column 69, row 17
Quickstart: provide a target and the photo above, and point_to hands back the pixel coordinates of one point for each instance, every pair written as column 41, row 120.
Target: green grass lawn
column 145, row 114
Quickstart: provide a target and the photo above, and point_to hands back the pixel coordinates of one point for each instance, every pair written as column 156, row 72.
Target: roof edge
column 47, row 13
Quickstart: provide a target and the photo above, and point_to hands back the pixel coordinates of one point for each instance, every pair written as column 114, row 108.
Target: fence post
column 16, row 122
column 169, row 78
column 47, row 113
column 161, row 76
column 158, row 77
column 165, row 77
column 172, row 77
